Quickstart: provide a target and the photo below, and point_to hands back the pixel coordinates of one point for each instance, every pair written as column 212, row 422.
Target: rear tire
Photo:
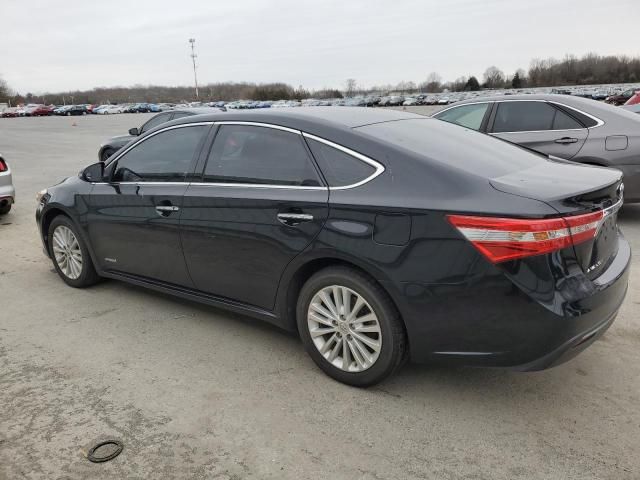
column 364, row 340
column 69, row 254
column 6, row 209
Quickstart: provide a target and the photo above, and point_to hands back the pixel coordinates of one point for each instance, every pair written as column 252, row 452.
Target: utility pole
column 192, row 41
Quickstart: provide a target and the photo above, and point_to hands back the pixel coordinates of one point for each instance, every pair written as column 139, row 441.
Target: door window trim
column 116, row 157
column 551, row 102
column 599, row 121
column 379, row 168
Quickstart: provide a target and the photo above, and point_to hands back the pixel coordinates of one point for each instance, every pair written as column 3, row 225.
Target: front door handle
column 293, row 219
column 165, row 210
column 566, row 140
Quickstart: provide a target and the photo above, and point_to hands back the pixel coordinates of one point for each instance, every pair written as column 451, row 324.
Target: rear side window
column 523, row 117
column 469, row 116
column 164, row 157
column 259, row 155
column 339, row 168
column 562, row 121
column 585, row 120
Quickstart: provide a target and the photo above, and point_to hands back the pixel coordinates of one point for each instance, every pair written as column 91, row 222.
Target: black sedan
column 112, row 145
column 376, row 235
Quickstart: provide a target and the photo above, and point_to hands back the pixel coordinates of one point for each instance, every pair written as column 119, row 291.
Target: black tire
column 6, row 209
column 88, row 275
column 393, row 352
column 106, row 153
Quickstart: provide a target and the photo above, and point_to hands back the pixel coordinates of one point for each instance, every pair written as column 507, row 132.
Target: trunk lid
column 573, row 189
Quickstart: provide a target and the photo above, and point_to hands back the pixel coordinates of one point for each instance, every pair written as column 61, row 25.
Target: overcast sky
column 80, row 44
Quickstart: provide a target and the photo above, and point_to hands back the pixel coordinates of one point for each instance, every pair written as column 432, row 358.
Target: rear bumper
column 7, row 191
column 524, row 320
column 569, row 349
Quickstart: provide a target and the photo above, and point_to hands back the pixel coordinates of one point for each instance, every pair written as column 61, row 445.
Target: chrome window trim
column 258, row 124
column 599, row 121
column 379, row 168
column 258, row 185
column 116, row 156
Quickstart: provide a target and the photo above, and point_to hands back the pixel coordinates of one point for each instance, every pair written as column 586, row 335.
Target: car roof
column 298, row 117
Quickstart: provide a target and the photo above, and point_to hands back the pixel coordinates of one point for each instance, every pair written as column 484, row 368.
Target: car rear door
column 133, row 219
column 538, row 125
column 259, row 202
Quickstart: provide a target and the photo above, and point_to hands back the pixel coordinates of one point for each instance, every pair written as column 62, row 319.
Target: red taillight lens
column 3, row 166
column 502, row 239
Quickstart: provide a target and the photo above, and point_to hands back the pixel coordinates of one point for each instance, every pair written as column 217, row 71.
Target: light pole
column 192, row 41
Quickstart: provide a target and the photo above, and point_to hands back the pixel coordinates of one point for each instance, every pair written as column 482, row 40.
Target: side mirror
column 94, row 173
column 134, row 131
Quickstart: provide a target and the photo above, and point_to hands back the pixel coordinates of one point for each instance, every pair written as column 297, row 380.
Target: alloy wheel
column 344, row 328
column 67, row 252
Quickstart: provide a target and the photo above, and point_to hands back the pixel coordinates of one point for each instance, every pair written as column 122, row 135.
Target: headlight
column 40, row 195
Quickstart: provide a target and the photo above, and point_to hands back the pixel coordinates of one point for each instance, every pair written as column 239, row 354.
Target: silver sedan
column 572, row 128
column 7, row 191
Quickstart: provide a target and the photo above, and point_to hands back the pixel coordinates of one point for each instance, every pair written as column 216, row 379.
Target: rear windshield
column 454, row 145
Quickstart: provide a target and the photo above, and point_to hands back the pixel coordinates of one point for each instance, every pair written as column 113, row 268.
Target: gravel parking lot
column 195, row 392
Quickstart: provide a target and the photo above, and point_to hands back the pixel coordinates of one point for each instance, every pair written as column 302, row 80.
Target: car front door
column 540, row 126
column 259, row 203
column 133, row 219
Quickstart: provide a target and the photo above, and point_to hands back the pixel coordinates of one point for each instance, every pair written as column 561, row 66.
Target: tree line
column 590, row 69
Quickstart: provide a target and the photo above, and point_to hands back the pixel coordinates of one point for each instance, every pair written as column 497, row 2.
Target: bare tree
column 350, row 87
column 433, row 83
column 4, row 89
column 494, row 77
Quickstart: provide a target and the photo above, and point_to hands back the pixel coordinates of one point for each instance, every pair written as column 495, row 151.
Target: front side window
column 339, row 169
column 523, row 117
column 259, row 155
column 164, row 157
column 469, row 116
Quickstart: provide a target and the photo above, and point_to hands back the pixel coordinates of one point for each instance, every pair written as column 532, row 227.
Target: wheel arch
column 296, row 277
column 49, row 215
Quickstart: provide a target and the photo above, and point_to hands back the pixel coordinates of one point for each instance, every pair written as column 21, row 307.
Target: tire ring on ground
column 113, row 455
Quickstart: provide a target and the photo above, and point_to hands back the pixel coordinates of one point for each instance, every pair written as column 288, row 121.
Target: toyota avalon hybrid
column 378, row 236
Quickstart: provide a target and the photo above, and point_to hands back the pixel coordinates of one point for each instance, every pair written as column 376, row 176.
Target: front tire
column 350, row 327
column 5, row 209
column 69, row 253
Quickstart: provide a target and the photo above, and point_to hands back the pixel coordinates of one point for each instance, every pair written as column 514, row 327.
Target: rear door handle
column 566, row 140
column 292, row 219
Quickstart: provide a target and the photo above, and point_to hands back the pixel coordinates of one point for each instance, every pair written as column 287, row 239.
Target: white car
column 111, row 109
column 7, row 191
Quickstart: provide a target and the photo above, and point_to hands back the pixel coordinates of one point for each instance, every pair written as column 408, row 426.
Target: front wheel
column 5, row 209
column 350, row 327
column 69, row 254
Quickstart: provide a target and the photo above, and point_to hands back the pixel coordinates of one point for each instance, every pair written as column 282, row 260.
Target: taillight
column 3, row 166
column 502, row 239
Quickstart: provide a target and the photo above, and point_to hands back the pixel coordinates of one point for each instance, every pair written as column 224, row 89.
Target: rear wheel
column 69, row 254
column 350, row 327
column 5, row 209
